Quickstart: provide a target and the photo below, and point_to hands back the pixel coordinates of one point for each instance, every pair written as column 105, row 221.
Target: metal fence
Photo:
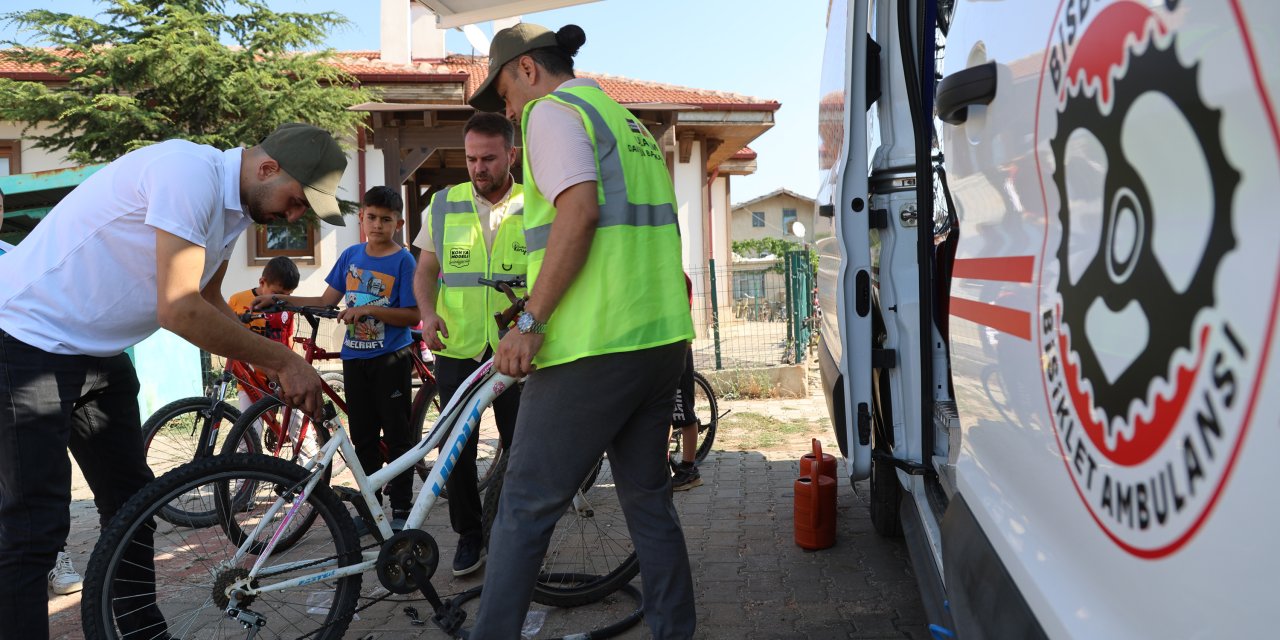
column 754, row 313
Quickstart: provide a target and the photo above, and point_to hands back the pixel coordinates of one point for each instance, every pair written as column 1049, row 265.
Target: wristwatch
column 526, row 323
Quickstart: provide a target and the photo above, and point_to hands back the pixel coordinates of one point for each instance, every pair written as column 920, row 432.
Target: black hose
column 607, row 631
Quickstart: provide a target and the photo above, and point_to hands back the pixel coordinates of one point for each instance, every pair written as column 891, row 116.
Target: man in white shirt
column 5, row 247
column 141, row 244
column 492, row 202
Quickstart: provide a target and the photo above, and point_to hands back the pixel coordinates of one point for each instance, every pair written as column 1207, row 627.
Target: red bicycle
column 192, row 428
column 283, row 432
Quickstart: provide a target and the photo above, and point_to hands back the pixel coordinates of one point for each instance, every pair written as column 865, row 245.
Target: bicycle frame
column 458, row 421
column 312, row 352
column 239, row 373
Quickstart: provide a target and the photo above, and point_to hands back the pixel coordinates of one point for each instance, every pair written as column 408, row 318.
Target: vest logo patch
column 518, row 247
column 459, row 257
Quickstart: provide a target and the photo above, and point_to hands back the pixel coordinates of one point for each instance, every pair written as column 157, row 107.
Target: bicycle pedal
column 346, row 494
column 449, row 618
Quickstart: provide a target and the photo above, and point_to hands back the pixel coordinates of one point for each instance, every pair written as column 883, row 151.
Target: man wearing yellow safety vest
column 604, row 335
column 472, row 230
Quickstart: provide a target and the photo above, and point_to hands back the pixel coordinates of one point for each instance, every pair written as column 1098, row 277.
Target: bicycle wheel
column 335, row 381
column 488, row 441
column 704, row 407
column 264, row 422
column 195, row 570
column 171, row 437
column 590, row 554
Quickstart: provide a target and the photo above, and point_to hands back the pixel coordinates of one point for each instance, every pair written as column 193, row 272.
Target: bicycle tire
column 704, row 406
column 590, row 554
column 336, row 382
column 171, row 437
column 489, row 448
column 270, row 407
column 189, row 562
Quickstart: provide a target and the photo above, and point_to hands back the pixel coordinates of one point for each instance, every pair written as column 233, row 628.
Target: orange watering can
column 815, row 502
column 826, row 466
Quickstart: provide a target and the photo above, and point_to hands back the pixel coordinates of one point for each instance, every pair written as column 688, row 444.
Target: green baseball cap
column 507, row 45
column 312, row 157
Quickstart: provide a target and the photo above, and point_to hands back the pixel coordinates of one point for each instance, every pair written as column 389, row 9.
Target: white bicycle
column 287, row 562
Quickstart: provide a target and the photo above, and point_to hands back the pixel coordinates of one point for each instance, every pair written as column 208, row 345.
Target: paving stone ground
column 752, row 581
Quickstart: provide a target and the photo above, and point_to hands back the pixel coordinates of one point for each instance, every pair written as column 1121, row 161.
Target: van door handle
column 962, row 89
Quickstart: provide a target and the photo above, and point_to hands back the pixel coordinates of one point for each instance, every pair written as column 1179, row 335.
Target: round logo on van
column 1152, row 280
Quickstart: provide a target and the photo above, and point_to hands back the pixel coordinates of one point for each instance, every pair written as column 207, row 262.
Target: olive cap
column 311, row 156
column 507, row 45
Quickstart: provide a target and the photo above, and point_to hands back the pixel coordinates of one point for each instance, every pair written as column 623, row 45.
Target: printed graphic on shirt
column 366, row 287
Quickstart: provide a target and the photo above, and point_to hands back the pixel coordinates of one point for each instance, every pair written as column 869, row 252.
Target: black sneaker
column 686, row 477
column 470, row 555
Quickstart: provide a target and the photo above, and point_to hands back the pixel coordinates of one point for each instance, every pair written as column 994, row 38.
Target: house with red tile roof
column 415, row 142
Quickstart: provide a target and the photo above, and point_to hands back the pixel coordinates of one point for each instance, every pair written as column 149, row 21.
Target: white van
column 1050, row 304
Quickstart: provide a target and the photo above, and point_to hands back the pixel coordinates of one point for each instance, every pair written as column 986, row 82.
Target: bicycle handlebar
column 505, row 318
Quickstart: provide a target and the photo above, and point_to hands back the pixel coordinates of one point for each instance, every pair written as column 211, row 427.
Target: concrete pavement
column 752, row 581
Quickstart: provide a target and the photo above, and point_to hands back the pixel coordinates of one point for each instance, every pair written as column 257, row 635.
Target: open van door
column 844, row 279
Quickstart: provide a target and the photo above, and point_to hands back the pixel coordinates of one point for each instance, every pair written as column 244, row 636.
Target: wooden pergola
column 422, row 145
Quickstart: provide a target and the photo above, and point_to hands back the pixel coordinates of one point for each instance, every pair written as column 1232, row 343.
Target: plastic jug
column 828, row 465
column 815, row 505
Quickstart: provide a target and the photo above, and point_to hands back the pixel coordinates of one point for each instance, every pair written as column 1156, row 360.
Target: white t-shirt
column 491, row 215
column 84, row 281
column 560, row 151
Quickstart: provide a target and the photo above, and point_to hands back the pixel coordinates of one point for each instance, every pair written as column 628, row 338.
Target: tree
column 761, row 247
column 150, row 70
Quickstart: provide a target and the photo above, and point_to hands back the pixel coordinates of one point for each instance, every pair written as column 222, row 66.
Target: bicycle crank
column 407, row 560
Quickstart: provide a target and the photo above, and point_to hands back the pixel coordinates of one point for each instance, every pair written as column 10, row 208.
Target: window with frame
column 757, row 218
column 10, row 157
column 788, row 217
column 299, row 241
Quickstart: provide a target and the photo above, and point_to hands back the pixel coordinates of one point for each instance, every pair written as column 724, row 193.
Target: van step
column 946, row 423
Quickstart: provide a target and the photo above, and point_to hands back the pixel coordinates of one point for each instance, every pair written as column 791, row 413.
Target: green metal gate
column 798, row 269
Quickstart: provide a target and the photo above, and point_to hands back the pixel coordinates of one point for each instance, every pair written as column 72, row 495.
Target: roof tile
column 368, row 66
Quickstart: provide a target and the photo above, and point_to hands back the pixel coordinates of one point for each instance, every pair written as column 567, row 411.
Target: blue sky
column 744, row 46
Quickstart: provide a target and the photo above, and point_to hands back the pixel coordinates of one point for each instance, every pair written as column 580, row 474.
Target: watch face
column 524, row 322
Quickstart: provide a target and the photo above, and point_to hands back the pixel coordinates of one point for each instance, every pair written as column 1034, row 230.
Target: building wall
column 33, row 159
column 742, row 228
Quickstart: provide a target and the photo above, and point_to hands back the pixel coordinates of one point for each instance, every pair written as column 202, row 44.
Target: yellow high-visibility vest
column 630, row 294
column 466, row 306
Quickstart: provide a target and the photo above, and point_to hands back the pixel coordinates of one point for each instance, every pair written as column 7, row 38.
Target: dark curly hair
column 384, row 198
column 283, row 272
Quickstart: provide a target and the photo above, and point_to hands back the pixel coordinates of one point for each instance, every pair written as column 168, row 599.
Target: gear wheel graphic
column 1124, row 274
